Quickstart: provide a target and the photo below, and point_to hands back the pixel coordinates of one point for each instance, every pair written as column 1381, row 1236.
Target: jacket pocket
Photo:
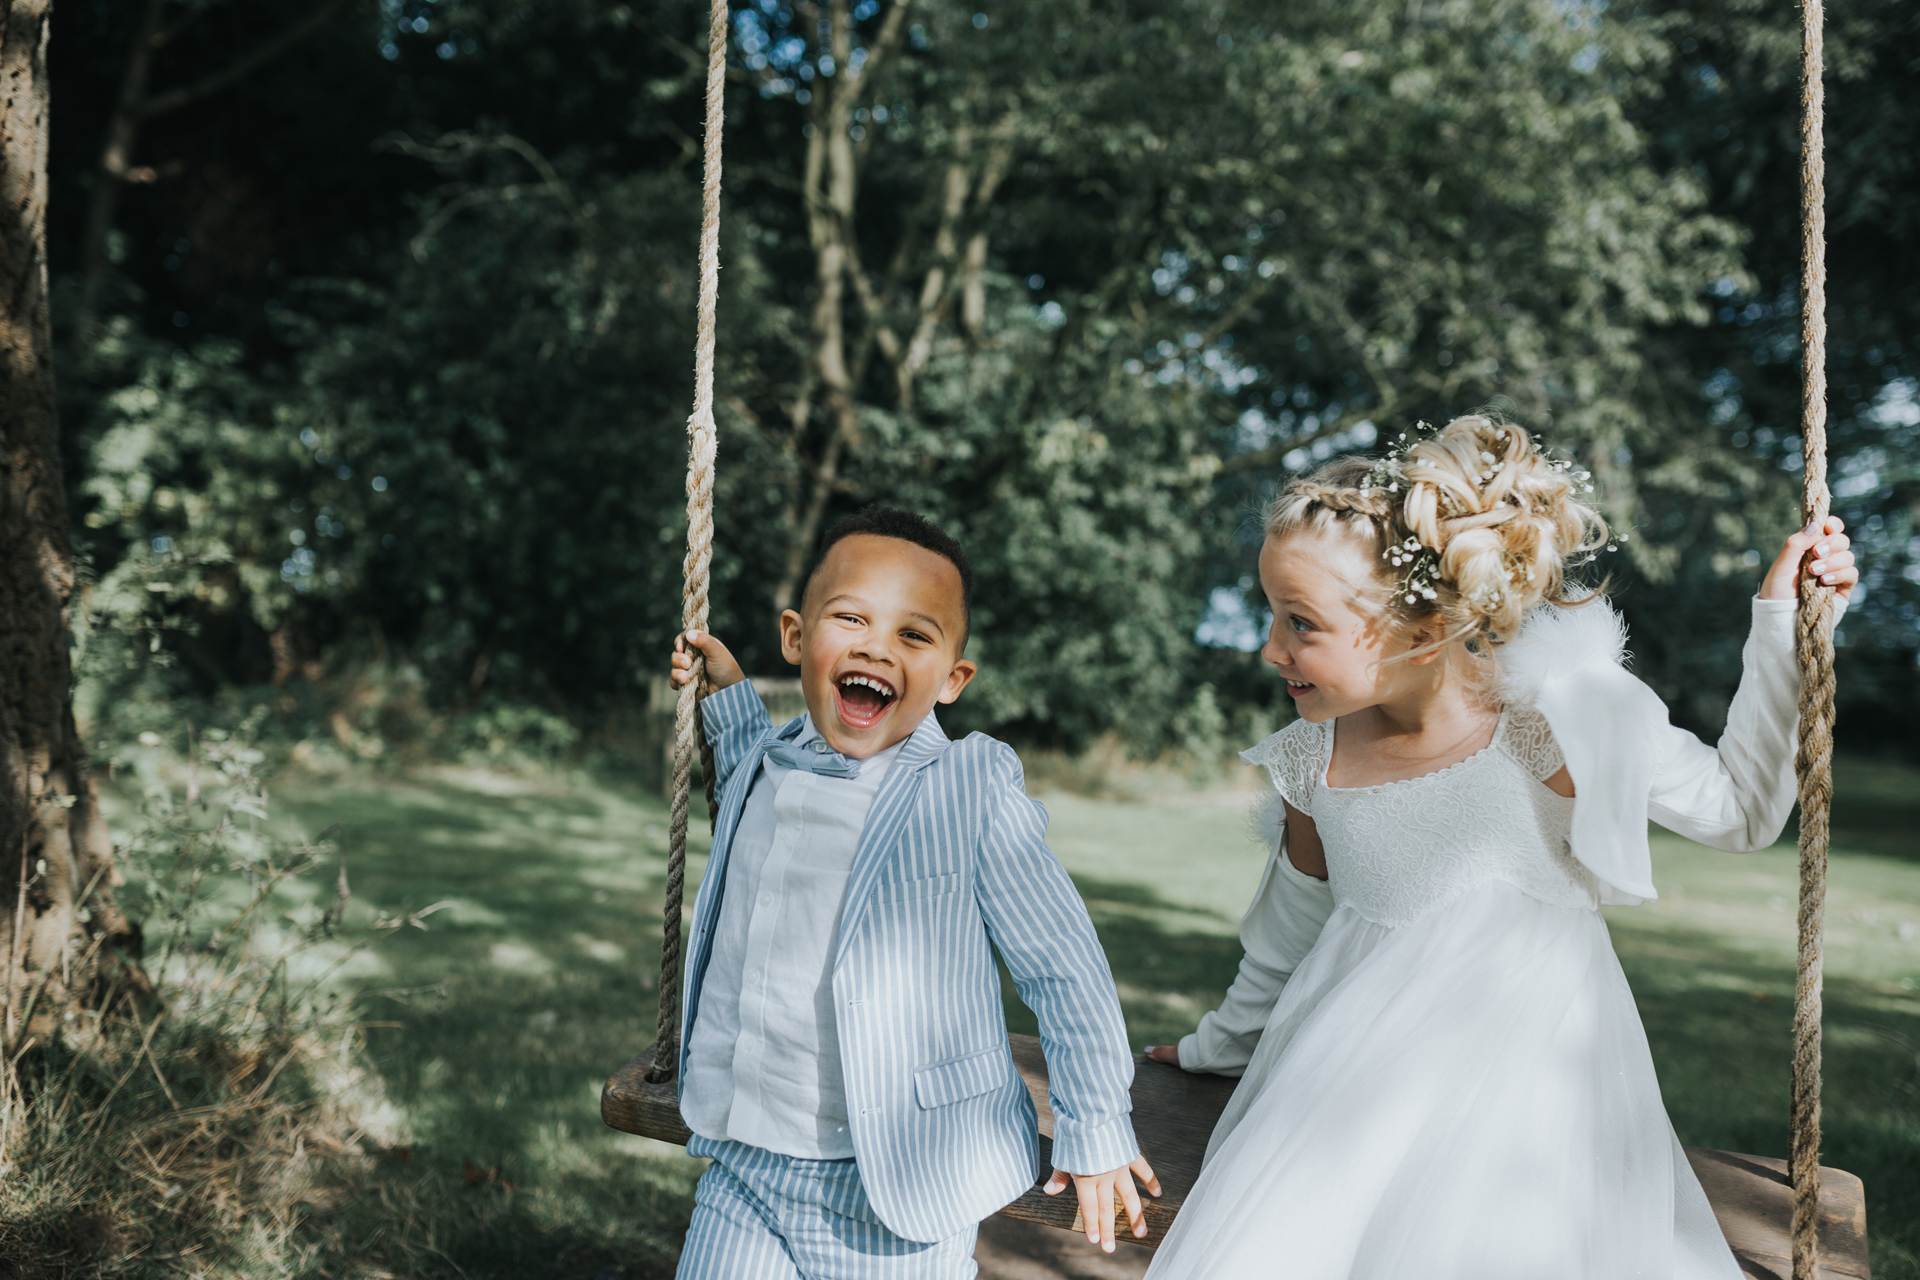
column 899, row 890
column 957, row 1079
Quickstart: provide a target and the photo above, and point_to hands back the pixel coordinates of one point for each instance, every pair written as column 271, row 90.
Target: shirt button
column 753, row 975
column 766, row 899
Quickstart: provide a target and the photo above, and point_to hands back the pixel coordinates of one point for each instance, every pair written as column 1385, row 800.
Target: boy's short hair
column 892, row 522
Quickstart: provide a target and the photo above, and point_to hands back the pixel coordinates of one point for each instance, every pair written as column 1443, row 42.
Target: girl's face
column 1331, row 656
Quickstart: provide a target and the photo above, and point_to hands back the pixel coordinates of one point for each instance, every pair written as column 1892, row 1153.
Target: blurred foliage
column 1731, row 113
column 397, row 346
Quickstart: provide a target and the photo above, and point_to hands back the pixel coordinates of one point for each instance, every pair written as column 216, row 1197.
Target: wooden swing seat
column 1174, row 1114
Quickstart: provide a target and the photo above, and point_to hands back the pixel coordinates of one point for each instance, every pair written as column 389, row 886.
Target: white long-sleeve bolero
column 1629, row 764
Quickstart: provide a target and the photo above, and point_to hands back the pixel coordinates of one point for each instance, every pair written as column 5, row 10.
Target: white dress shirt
column 763, row 1056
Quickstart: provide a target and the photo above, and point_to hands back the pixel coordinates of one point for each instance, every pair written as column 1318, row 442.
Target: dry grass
column 188, row 1117
column 168, row 1150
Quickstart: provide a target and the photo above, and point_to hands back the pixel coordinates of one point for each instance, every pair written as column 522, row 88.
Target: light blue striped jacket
column 953, row 858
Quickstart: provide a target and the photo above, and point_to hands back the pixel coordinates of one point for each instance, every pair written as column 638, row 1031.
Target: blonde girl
column 1443, row 1072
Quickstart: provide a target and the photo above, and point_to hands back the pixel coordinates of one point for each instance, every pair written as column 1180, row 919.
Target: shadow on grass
column 1720, row 1022
column 514, row 1007
column 493, row 1031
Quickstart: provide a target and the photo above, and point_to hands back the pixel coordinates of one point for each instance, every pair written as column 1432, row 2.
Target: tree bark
column 56, row 859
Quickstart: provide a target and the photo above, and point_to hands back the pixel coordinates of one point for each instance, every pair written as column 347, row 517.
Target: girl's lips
column 1298, row 690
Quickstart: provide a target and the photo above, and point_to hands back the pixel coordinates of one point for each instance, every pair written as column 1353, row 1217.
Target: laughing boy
column 844, row 1056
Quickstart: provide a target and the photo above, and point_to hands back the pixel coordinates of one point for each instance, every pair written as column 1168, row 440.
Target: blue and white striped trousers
column 759, row 1215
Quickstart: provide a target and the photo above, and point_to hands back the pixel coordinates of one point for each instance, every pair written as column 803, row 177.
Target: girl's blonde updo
column 1473, row 526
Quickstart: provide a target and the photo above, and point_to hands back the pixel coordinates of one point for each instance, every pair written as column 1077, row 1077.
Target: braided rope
column 702, row 446
column 1813, row 763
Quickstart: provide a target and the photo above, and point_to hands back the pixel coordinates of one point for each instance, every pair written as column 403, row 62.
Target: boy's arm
column 731, row 714
column 1038, row 922
column 734, row 719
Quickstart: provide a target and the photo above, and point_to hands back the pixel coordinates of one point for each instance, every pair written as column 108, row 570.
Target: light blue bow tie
column 815, row 757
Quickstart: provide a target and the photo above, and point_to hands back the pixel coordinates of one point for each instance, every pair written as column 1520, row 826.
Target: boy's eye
column 915, row 635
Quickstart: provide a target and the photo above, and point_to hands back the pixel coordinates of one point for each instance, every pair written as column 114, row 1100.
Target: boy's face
column 878, row 640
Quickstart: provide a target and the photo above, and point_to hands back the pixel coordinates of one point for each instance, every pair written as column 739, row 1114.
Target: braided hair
column 1473, row 527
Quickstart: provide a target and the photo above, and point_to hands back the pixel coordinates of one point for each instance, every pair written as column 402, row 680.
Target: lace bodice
column 1398, row 850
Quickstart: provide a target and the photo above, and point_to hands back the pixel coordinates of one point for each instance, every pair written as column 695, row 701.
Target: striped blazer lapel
column 891, row 809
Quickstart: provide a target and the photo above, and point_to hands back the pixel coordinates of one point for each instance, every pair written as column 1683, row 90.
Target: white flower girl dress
column 1448, row 1079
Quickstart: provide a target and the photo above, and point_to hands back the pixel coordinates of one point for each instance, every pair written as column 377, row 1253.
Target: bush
column 198, row 1106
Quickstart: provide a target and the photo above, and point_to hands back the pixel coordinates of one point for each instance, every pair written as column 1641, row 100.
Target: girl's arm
column 1289, row 910
column 1737, row 795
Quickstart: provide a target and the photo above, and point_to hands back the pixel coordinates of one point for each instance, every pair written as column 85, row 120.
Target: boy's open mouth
column 864, row 699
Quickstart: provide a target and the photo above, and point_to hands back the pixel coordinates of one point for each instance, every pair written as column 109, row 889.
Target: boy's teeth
column 866, row 682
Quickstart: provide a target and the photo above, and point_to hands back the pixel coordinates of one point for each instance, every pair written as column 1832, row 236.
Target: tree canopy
column 388, row 347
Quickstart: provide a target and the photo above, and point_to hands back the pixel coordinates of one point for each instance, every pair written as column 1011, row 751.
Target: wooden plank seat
column 1174, row 1114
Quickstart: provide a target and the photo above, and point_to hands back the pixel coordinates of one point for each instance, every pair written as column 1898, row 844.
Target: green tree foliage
column 1081, row 280
column 1729, row 111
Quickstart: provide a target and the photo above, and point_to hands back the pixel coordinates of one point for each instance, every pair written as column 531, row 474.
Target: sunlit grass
column 493, row 1029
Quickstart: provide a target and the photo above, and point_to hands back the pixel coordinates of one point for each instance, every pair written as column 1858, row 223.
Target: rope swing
column 1767, row 1222
column 702, row 445
column 1813, row 763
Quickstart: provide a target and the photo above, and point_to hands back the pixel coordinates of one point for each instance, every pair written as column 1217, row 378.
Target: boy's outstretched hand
column 1830, row 561
column 1100, row 1193
column 722, row 670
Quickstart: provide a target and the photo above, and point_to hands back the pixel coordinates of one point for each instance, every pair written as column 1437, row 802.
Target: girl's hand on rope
column 1101, row 1193
column 722, row 670
column 1825, row 551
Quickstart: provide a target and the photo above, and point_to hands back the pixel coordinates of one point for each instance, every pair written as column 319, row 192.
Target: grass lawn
column 494, row 1029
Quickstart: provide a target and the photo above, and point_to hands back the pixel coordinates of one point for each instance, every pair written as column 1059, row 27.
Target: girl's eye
column 1300, row 625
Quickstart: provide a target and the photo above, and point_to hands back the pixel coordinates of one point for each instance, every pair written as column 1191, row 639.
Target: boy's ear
column 790, row 632
column 957, row 679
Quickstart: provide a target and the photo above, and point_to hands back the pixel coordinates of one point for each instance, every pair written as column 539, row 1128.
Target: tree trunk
column 56, row 860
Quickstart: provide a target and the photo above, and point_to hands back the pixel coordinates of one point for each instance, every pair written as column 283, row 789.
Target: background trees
column 391, row 358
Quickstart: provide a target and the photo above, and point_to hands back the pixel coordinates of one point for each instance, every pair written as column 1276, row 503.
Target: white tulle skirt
column 1466, row 1097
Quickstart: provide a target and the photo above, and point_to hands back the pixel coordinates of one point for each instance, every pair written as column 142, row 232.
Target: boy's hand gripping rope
column 1814, row 632
column 701, row 432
